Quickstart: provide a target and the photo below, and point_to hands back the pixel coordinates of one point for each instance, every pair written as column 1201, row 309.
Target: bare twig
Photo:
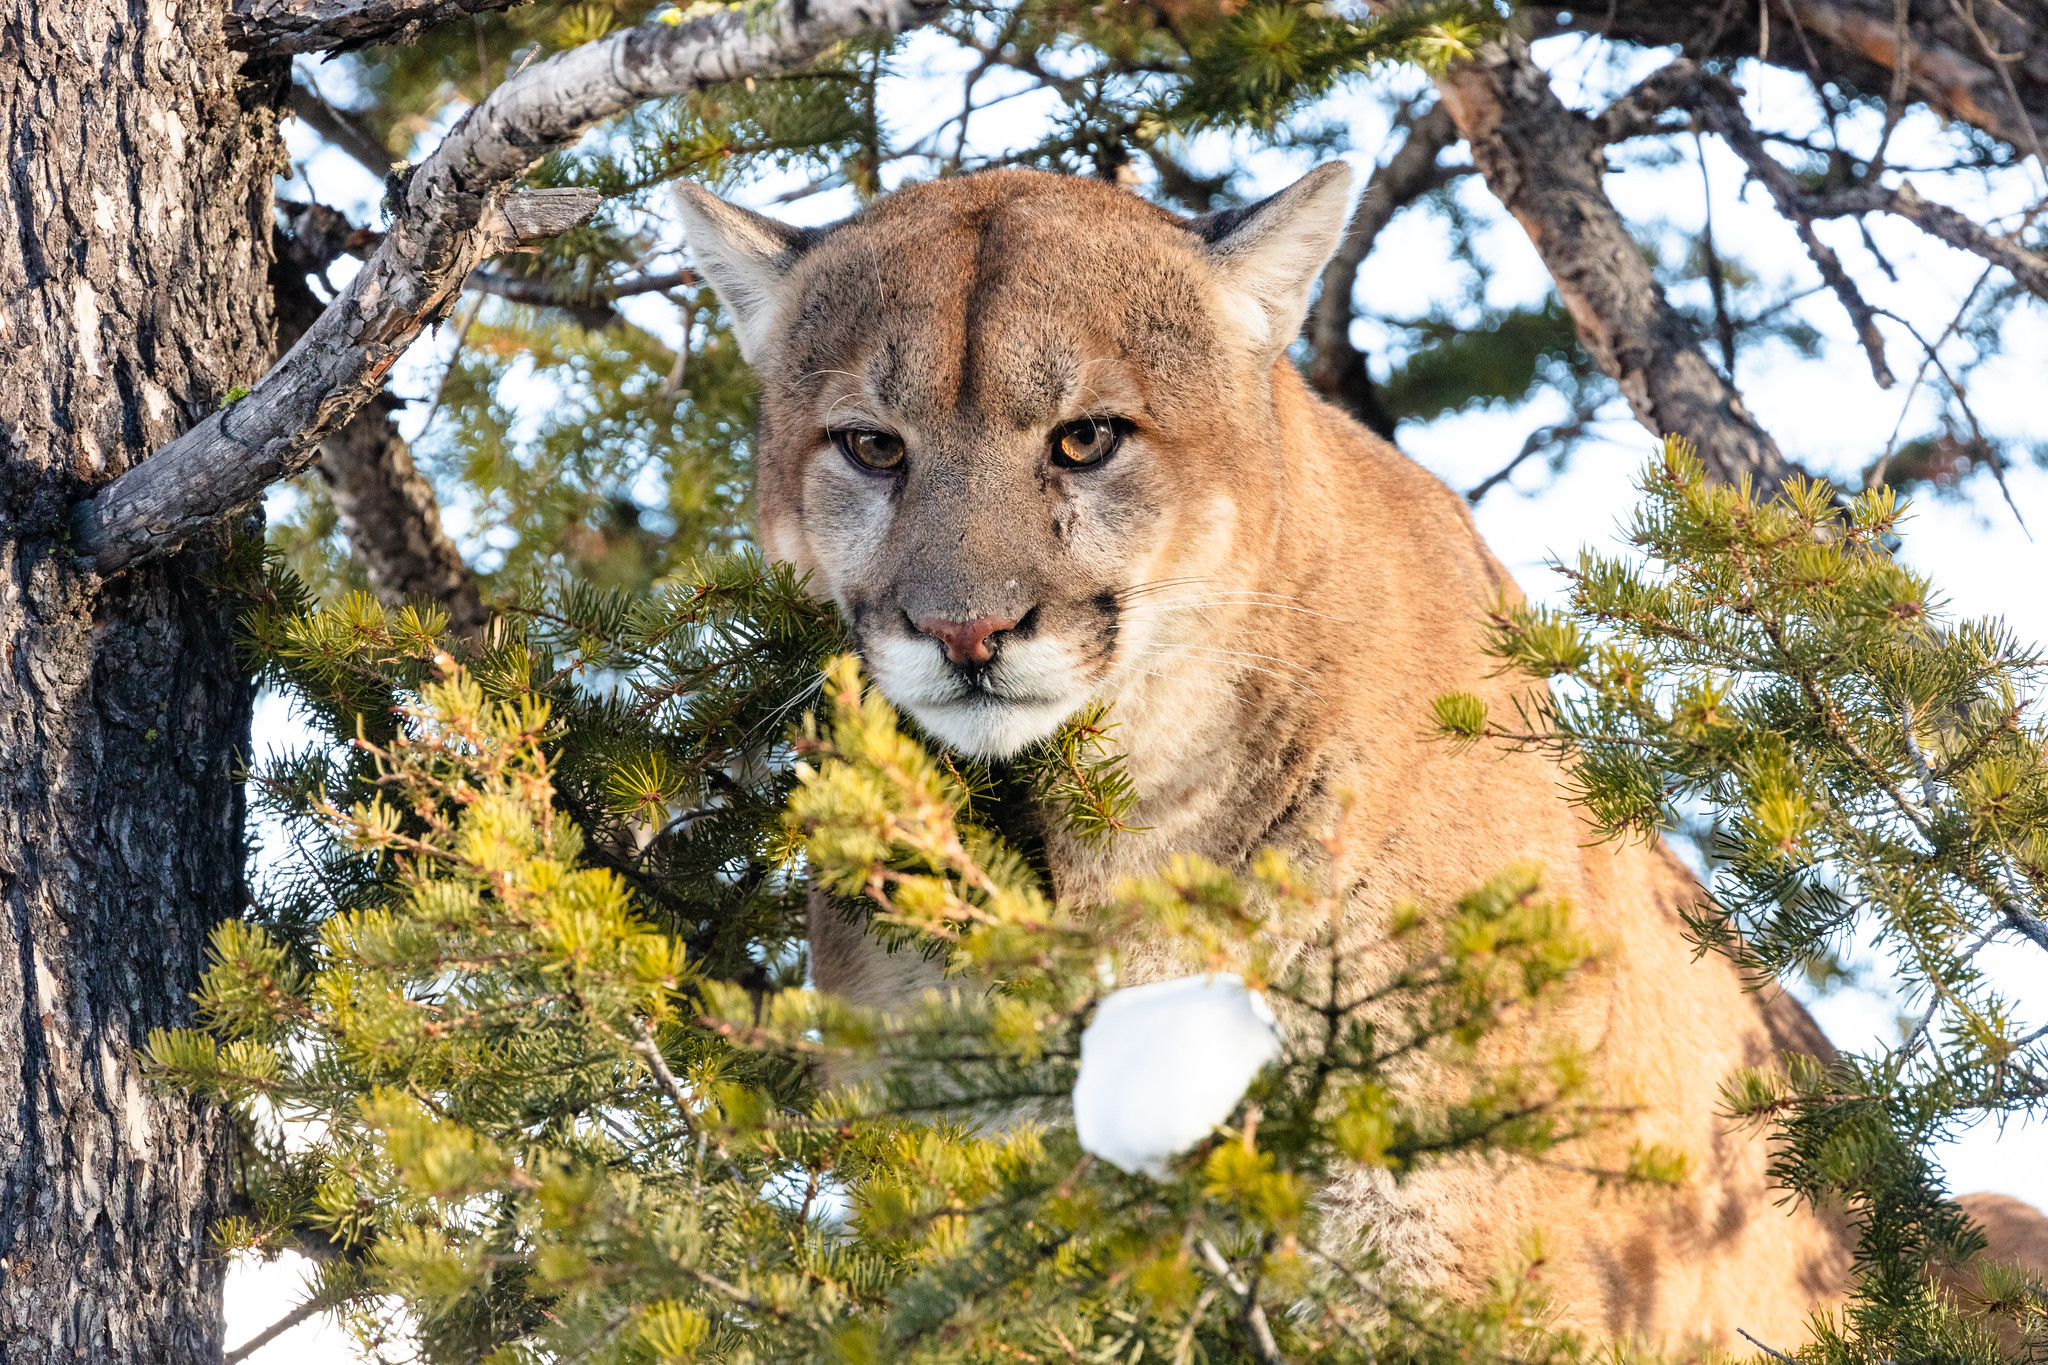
column 1937, row 220
column 673, row 384
column 1860, row 44
column 1775, row 1355
column 1538, row 440
column 545, row 293
column 1717, row 282
column 340, row 128
column 454, row 213
column 1902, row 74
column 1254, row 1316
column 647, row 1047
column 1962, row 396
column 2001, row 62
column 1718, row 109
column 1875, row 478
column 1184, row 1348
column 310, row 1308
column 464, row 320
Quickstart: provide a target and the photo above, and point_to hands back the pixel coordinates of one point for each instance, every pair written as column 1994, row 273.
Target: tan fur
column 1323, row 588
column 2013, row 1231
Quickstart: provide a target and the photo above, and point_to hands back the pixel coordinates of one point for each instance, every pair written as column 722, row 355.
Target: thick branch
column 284, row 27
column 1855, row 45
column 1338, row 370
column 1544, row 163
column 340, row 128
column 454, row 214
column 386, row 506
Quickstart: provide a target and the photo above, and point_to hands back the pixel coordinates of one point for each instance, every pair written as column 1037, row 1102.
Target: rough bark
column 283, row 27
column 1338, row 371
column 1951, row 56
column 387, row 508
column 454, row 213
column 133, row 245
column 1544, row 162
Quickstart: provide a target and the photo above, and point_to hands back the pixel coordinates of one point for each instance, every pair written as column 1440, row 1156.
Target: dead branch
column 340, row 128
column 1857, row 46
column 590, row 305
column 285, row 27
column 1959, row 230
column 1542, row 439
column 1545, row 164
column 1718, row 109
column 1338, row 370
column 386, row 506
column 455, row 212
column 1716, row 105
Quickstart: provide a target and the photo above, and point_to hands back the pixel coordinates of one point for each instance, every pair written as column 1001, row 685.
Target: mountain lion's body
column 1271, row 595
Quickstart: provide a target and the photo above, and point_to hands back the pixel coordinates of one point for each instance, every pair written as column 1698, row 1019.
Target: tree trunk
column 136, row 234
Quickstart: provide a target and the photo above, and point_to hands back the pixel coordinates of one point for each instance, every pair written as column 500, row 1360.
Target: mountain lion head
column 1018, row 426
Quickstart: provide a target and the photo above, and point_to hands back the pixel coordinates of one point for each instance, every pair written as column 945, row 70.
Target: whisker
column 1243, row 592
column 1197, row 604
column 1129, row 667
column 1156, row 585
column 1254, row 668
column 1235, row 653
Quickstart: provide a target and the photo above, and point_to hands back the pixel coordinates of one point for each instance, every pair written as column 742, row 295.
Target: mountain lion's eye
column 1090, row 441
column 876, row 450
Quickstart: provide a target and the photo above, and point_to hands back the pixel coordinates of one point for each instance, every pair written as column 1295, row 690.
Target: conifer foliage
column 527, row 1120
column 1875, row 772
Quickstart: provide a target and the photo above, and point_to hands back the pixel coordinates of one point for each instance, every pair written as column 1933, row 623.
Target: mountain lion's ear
column 1270, row 253
column 744, row 256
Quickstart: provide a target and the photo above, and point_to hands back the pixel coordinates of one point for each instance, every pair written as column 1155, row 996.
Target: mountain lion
column 1040, row 442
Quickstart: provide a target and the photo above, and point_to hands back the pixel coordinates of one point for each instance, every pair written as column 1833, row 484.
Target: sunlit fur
column 1033, row 685
column 1271, row 596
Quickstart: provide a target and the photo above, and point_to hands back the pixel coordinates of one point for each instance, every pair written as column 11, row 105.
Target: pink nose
column 966, row 642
